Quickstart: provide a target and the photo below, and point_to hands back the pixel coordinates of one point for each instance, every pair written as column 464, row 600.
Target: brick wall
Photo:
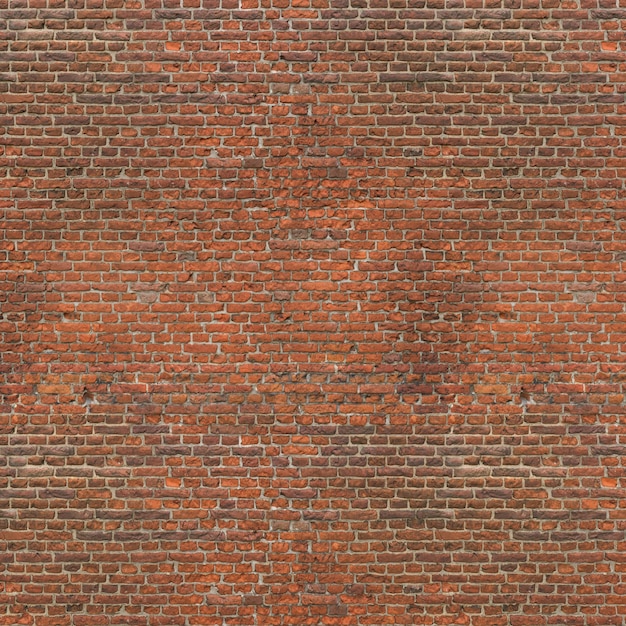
column 312, row 312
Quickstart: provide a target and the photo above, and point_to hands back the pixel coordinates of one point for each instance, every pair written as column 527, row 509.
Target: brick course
column 312, row 312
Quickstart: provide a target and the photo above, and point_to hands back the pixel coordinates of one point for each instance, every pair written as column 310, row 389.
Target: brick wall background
column 312, row 312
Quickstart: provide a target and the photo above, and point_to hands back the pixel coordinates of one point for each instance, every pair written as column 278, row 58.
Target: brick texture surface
column 312, row 312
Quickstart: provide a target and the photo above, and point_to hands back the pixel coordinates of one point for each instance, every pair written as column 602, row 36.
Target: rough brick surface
column 312, row 312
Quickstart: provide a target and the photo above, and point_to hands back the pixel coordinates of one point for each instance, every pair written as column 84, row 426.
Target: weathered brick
column 312, row 313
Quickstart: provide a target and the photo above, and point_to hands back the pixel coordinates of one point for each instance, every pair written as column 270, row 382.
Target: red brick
column 311, row 314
